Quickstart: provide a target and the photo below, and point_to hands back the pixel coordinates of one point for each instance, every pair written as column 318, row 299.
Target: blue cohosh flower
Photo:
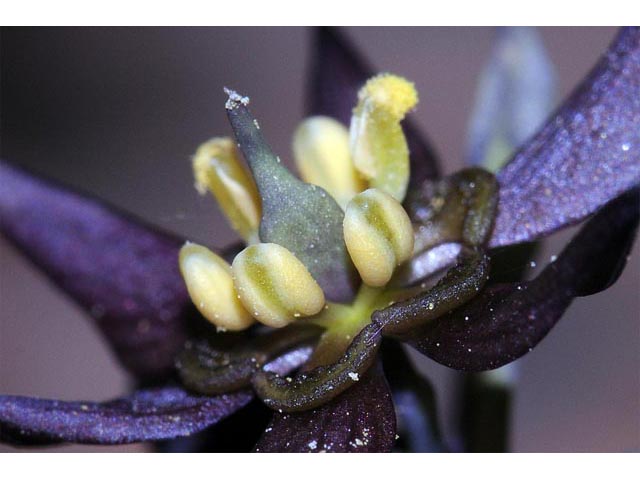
column 301, row 253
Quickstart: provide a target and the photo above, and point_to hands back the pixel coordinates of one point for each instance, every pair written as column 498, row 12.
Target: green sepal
column 457, row 287
column 316, row 387
column 224, row 363
column 459, row 209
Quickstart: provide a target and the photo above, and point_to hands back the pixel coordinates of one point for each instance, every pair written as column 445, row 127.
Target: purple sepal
column 514, row 96
column 122, row 271
column 587, row 154
column 337, row 72
column 362, row 419
column 506, row 321
column 154, row 414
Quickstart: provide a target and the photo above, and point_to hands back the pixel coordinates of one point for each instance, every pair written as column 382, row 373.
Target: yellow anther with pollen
column 275, row 286
column 378, row 235
column 392, row 93
column 210, row 284
column 378, row 146
column 217, row 167
column 321, row 152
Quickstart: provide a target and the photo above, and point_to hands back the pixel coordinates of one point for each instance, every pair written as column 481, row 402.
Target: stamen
column 321, row 151
column 218, row 168
column 275, row 286
column 378, row 234
column 210, row 284
column 378, row 146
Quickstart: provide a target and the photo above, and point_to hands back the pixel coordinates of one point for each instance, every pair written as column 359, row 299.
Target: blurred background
column 118, row 112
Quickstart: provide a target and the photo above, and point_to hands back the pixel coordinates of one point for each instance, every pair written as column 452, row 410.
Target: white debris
column 234, row 99
column 312, row 444
column 354, row 376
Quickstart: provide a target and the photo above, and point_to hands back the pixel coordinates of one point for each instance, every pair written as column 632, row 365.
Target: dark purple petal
column 587, row 154
column 506, row 321
column 155, row 414
column 337, row 72
column 123, row 272
column 362, row 419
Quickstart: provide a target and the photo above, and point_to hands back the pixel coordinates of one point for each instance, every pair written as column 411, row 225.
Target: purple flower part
column 515, row 95
column 587, row 154
column 506, row 321
column 154, row 414
column 337, row 72
column 362, row 419
column 251, row 421
column 289, row 361
column 122, row 271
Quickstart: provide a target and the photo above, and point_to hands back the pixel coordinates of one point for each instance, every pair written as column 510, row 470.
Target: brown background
column 118, row 112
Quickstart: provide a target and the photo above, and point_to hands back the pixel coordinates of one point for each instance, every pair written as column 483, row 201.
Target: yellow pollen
column 393, row 93
column 378, row 146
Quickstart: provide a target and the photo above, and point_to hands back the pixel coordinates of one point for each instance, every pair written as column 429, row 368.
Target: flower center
column 323, row 252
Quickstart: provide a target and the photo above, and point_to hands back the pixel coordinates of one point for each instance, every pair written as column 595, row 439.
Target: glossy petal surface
column 156, row 414
column 123, row 272
column 337, row 73
column 506, row 321
column 362, row 419
column 587, row 154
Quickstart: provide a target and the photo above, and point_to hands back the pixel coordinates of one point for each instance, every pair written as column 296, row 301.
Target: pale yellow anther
column 210, row 285
column 378, row 235
column 217, row 167
column 275, row 286
column 322, row 155
column 378, row 145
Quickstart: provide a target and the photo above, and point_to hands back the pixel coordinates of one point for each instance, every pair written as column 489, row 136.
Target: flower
column 138, row 299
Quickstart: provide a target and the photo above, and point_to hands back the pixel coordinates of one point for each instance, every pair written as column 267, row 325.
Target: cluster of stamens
column 366, row 170
column 333, row 260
